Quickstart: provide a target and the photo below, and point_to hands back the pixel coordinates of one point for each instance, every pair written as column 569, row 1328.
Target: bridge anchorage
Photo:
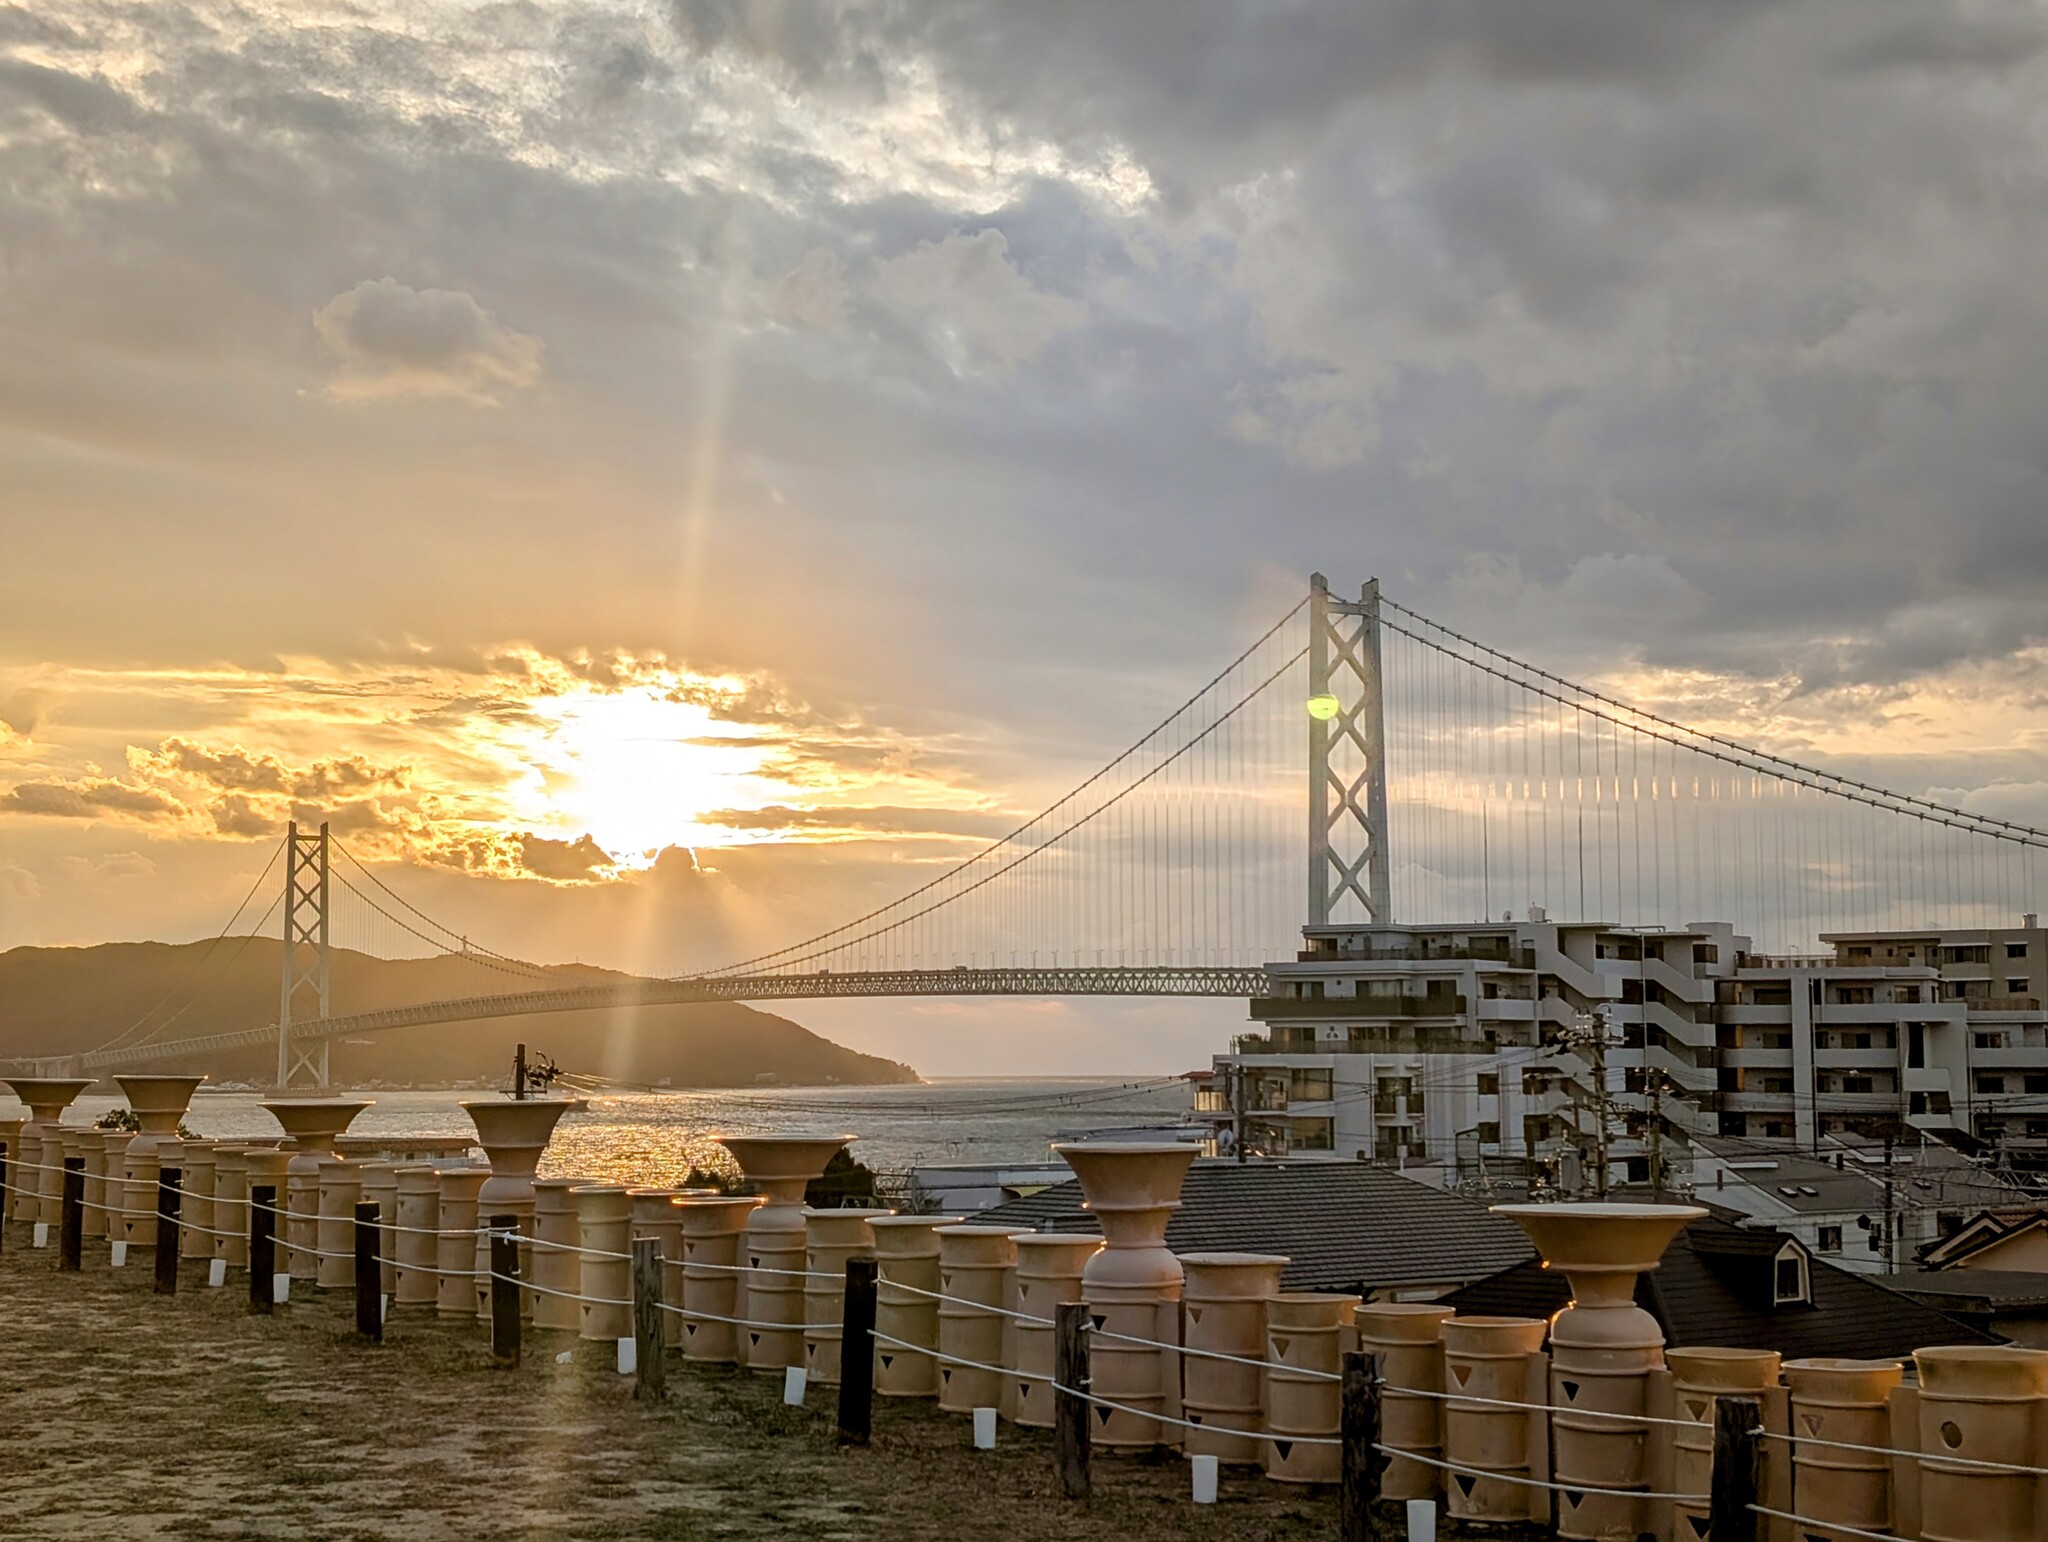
column 1434, row 777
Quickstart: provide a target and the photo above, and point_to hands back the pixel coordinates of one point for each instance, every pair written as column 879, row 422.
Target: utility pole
column 519, row 1072
column 1655, row 1078
column 1889, row 1262
column 1599, row 1056
column 1237, row 1110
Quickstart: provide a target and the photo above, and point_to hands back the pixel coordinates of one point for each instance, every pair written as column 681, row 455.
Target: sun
column 639, row 770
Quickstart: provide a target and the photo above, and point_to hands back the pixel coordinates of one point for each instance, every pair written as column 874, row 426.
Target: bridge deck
column 1242, row 983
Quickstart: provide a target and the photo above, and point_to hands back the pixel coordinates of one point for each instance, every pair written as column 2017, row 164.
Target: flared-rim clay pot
column 1133, row 1285
column 713, row 1281
column 1603, row 1350
column 1132, row 1189
column 158, row 1102
column 47, row 1097
column 781, row 1167
column 514, row 1133
column 313, row 1123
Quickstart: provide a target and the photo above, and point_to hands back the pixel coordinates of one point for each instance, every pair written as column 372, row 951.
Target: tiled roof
column 1976, row 1291
column 1345, row 1225
column 1714, row 1288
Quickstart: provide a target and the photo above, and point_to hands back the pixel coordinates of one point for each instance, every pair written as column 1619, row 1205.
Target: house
column 1836, row 1197
column 1343, row 1226
column 2010, row 1303
column 1746, row 1287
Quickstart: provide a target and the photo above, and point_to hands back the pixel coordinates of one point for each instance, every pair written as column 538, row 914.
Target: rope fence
column 1070, row 1382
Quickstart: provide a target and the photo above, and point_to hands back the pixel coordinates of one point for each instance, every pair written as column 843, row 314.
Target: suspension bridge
column 1445, row 781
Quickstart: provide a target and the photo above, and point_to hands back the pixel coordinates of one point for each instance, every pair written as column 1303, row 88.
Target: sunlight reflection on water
column 655, row 1137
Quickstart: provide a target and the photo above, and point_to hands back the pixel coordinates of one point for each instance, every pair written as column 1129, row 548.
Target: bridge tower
column 304, row 995
column 1347, row 757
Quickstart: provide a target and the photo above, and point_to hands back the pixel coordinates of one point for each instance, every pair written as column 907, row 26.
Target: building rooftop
column 1974, row 1292
column 1716, row 1287
column 1343, row 1225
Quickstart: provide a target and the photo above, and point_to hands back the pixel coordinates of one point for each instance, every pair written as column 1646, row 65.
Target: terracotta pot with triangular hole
column 1304, row 1402
column 1049, row 1270
column 780, row 1167
column 604, row 1233
column 1133, row 1286
column 313, row 1124
column 907, row 1278
column 39, row 1192
column 831, row 1239
column 459, row 1215
column 1490, row 1363
column 1603, row 1348
column 10, row 1149
column 196, row 1164
column 976, row 1268
column 340, row 1188
column 1700, row 1376
column 1408, row 1338
column 714, row 1262
column 557, row 1267
column 1223, row 1309
column 1836, row 1404
column 158, row 1103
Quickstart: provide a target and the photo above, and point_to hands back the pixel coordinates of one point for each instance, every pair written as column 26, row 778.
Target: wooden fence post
column 1362, row 1463
column 6, row 1193
column 369, row 1273
column 168, row 1193
column 1738, row 1462
column 857, row 1354
column 649, row 1375
column 71, row 1220
column 1070, row 1385
column 504, row 1256
column 262, row 1247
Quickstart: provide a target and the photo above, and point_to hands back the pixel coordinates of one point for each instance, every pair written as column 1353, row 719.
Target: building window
column 2015, row 950
column 1789, row 1276
column 1830, row 1239
column 1489, row 1084
column 1489, row 1132
column 1989, row 1083
column 1988, row 1040
column 2016, row 987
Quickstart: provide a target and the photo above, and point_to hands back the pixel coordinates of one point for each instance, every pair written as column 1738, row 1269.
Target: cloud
column 90, row 798
column 391, row 340
column 110, row 866
column 972, row 304
column 563, row 861
column 813, row 293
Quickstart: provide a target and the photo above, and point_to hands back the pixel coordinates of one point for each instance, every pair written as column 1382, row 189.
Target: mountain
column 62, row 1001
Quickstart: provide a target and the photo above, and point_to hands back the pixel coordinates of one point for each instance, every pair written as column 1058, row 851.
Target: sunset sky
column 667, row 471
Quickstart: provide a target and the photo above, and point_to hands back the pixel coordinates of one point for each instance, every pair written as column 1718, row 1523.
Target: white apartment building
column 1437, row 1048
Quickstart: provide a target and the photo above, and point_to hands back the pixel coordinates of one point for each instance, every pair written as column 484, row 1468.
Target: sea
column 655, row 1138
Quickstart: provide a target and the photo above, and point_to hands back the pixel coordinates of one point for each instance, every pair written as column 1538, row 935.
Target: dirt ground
column 130, row 1417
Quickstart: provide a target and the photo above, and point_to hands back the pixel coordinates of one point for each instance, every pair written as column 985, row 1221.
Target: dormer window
column 1791, row 1283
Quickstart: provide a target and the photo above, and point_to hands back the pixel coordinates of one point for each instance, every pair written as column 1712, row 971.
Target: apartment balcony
column 1754, row 1059
column 1324, row 1009
column 1739, row 1014
column 2016, row 1057
column 1857, row 1059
